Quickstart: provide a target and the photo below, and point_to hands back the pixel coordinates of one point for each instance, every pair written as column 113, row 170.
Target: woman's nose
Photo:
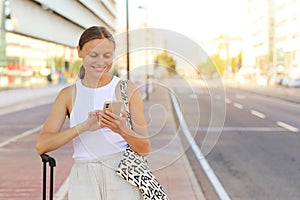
column 100, row 61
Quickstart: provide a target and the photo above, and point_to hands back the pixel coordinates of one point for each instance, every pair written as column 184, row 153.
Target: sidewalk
column 22, row 98
column 167, row 158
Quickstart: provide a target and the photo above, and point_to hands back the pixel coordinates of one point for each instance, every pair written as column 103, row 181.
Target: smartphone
column 113, row 106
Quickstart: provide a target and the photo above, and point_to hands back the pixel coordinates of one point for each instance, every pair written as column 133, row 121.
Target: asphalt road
column 250, row 141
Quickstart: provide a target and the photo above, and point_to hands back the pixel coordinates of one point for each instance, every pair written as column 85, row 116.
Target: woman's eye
column 93, row 55
column 107, row 55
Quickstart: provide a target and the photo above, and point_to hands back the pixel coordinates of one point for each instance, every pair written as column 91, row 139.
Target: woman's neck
column 95, row 83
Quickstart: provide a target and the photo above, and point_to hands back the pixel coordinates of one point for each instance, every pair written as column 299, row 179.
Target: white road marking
column 237, row 128
column 228, row 101
column 237, row 105
column 240, row 96
column 16, row 126
column 193, row 96
column 201, row 159
column 258, row 114
column 63, row 190
column 2, row 144
column 287, row 126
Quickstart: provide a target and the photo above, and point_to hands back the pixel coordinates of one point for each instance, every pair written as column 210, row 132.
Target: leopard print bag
column 134, row 167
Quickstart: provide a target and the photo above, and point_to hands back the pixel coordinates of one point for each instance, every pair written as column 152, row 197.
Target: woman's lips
column 100, row 69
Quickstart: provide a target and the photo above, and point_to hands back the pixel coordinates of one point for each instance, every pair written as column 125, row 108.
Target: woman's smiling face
column 97, row 55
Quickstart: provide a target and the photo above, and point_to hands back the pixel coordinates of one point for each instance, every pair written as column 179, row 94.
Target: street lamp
column 147, row 70
column 4, row 16
column 146, row 14
column 127, row 40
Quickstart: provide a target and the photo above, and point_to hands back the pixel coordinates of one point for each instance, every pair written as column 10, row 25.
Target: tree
column 214, row 64
column 164, row 59
column 75, row 67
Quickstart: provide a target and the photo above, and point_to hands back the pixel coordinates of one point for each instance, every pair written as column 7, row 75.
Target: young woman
column 99, row 138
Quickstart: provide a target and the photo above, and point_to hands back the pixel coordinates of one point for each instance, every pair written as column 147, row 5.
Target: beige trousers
column 96, row 180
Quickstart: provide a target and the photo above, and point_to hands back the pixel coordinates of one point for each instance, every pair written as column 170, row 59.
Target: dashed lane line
column 263, row 116
column 228, row 101
column 287, row 126
column 200, row 157
column 237, row 128
column 237, row 105
column 258, row 114
column 240, row 96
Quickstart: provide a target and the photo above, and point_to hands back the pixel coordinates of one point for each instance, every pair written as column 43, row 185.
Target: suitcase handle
column 46, row 158
column 52, row 163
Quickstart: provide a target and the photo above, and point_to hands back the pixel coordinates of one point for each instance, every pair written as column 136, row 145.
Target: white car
column 293, row 82
column 285, row 81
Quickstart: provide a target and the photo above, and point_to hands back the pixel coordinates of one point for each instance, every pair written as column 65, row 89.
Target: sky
column 200, row 20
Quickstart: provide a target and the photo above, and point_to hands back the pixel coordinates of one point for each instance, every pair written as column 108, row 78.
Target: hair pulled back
column 94, row 32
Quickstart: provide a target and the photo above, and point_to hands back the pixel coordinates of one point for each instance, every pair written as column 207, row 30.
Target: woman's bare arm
column 50, row 137
column 137, row 137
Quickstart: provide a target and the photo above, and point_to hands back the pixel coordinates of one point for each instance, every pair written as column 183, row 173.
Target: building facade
column 271, row 44
column 38, row 37
column 288, row 37
column 274, row 37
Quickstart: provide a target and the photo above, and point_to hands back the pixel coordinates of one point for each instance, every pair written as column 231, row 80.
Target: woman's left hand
column 114, row 122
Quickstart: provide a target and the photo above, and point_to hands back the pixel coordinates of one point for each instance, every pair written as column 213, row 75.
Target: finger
column 110, row 120
column 106, row 119
column 98, row 120
column 108, row 124
column 110, row 114
column 94, row 112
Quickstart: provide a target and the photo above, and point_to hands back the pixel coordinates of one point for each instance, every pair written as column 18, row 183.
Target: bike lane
column 21, row 169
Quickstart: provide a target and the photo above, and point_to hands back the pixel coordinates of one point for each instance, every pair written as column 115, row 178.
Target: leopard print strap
column 123, row 88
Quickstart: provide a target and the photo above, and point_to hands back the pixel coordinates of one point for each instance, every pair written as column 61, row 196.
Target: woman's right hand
column 93, row 121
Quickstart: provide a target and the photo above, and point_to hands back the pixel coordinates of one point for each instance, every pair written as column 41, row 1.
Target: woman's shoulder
column 66, row 93
column 67, row 90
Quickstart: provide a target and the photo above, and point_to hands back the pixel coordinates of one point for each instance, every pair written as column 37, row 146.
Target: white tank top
column 94, row 144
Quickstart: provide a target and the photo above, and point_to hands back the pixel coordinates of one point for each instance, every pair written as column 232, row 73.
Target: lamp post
column 147, row 64
column 127, row 40
column 3, row 18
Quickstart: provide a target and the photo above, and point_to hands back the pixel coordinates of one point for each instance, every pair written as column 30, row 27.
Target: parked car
column 293, row 82
column 276, row 80
column 285, row 81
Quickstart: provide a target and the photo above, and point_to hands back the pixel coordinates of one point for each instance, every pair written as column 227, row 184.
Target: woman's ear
column 79, row 52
